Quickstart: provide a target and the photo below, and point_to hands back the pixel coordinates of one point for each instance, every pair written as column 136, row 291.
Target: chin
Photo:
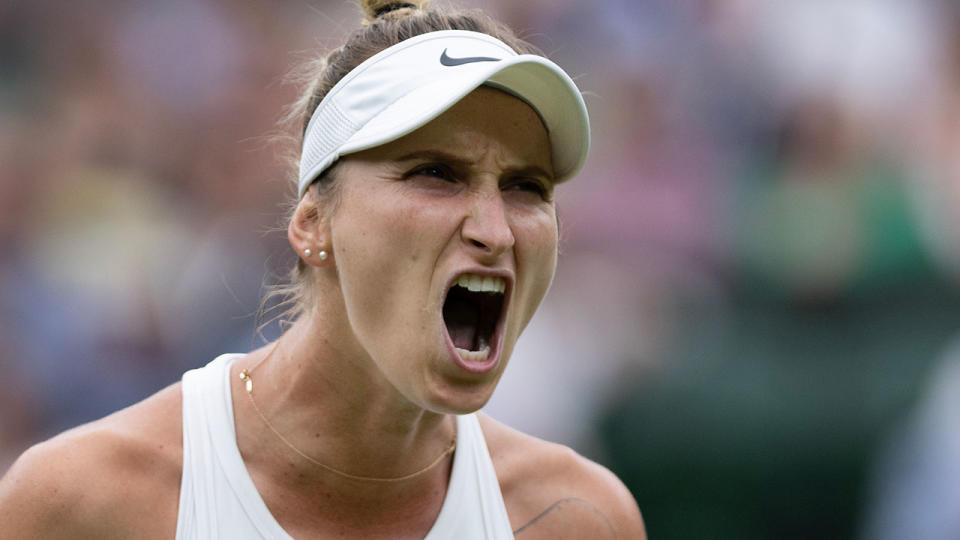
column 460, row 398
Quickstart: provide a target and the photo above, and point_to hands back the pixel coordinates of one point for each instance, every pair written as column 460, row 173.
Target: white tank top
column 218, row 499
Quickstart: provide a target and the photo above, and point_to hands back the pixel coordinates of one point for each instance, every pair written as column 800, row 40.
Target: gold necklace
column 245, row 376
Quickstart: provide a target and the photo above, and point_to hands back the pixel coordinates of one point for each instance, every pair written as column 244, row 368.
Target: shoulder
column 552, row 492
column 100, row 479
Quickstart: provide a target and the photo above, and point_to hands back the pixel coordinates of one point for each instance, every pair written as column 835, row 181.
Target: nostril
column 479, row 244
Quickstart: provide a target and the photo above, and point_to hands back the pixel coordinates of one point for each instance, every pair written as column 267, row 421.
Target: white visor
column 409, row 84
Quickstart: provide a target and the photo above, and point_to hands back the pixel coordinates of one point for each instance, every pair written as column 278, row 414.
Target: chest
column 317, row 508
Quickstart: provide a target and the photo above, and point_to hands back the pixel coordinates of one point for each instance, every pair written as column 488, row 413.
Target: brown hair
column 385, row 24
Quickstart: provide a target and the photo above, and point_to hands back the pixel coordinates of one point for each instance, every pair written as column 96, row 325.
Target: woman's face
column 445, row 243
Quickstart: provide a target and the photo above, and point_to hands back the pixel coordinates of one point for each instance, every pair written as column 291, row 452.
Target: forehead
column 485, row 118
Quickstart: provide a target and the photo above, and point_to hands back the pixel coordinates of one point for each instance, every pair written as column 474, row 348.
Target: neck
column 330, row 402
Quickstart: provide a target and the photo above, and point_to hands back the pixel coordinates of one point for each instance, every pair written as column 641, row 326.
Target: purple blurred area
column 760, row 262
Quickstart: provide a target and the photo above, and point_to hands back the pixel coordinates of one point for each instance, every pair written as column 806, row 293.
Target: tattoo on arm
column 557, row 505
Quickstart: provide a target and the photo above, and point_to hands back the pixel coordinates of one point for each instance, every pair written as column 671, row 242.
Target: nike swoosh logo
column 447, row 61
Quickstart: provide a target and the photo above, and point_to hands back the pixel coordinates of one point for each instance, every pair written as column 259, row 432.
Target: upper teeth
column 482, row 283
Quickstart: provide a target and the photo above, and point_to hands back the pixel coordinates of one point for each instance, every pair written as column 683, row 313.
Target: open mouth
column 472, row 312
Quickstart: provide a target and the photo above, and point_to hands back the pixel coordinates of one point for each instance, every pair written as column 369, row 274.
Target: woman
column 427, row 237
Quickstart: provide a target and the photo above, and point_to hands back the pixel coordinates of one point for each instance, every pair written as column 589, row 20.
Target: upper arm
column 581, row 499
column 39, row 498
column 614, row 500
column 552, row 492
column 107, row 479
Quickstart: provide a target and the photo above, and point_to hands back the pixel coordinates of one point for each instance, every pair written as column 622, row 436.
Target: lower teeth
column 474, row 356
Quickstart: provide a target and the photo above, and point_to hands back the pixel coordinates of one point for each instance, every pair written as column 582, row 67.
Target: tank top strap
column 218, row 499
column 473, row 508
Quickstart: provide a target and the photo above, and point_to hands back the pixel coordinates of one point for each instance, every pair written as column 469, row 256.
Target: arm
column 581, row 499
column 118, row 477
column 552, row 492
column 40, row 497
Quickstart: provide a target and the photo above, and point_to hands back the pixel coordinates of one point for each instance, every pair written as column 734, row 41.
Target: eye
column 433, row 170
column 529, row 185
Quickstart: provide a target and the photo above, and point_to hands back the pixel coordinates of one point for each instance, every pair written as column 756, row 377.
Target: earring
column 307, row 252
column 322, row 255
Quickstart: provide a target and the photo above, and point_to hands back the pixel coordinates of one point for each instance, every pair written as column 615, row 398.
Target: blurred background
column 755, row 321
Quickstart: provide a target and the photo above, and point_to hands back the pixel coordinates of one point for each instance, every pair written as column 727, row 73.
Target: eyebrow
column 459, row 162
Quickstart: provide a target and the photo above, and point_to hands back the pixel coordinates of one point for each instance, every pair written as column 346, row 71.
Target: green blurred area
column 767, row 423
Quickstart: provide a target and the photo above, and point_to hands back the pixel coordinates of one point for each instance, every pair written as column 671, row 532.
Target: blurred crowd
column 760, row 263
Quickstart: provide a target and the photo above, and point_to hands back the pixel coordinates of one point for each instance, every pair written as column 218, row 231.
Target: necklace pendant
column 245, row 376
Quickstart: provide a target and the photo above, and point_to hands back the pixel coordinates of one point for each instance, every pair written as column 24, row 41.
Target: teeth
column 475, row 283
column 474, row 356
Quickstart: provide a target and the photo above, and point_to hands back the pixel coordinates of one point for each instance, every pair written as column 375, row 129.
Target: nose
column 486, row 230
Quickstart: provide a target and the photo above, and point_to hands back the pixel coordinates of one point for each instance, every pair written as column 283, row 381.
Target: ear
column 309, row 229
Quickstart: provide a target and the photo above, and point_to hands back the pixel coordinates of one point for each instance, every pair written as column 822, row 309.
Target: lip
column 496, row 340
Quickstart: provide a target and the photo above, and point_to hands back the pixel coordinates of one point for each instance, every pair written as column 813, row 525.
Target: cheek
column 368, row 258
column 542, row 230
column 537, row 259
column 386, row 249
column 375, row 232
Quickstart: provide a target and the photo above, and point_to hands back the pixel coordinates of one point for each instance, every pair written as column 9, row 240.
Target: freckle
column 316, row 435
column 414, row 257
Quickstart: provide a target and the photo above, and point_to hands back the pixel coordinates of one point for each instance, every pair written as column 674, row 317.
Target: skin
column 364, row 381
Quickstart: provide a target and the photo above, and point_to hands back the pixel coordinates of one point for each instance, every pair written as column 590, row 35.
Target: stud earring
column 307, row 252
column 322, row 255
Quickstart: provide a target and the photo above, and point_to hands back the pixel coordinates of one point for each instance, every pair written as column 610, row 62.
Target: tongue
column 463, row 336
column 462, row 319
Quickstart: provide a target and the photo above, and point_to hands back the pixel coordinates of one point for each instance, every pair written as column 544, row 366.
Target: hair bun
column 375, row 9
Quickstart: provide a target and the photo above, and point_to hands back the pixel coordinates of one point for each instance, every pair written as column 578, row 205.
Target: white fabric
column 409, row 84
column 218, row 499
